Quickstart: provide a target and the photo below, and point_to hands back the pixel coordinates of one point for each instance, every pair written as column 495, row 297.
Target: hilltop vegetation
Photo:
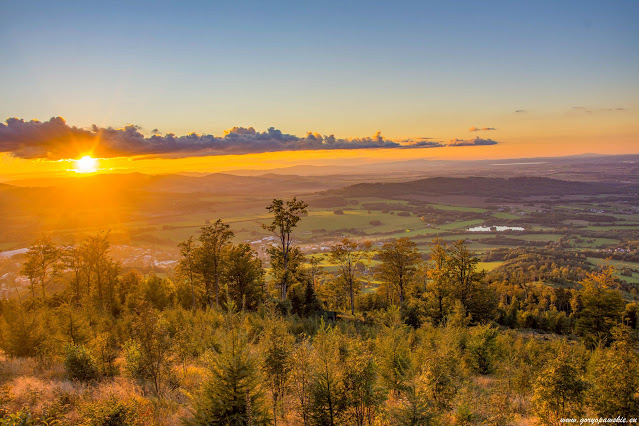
column 226, row 340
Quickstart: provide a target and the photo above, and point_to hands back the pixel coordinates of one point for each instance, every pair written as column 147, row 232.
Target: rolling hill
column 516, row 187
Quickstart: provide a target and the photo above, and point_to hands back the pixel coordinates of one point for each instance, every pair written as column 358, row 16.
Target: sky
column 534, row 78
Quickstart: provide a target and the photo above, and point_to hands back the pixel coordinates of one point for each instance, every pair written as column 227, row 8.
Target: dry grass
column 75, row 403
column 11, row 368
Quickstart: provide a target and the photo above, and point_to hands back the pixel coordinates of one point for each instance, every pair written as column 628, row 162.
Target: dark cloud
column 520, row 110
column 421, row 143
column 479, row 129
column 472, row 142
column 54, row 140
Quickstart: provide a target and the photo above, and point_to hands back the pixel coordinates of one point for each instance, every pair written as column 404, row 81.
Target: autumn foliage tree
column 399, row 260
column 213, row 239
column 243, row 275
column 602, row 307
column 42, row 264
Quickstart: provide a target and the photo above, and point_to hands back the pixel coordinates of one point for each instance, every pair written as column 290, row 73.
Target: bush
column 481, row 348
column 23, row 332
column 233, row 394
column 80, row 364
column 338, row 212
column 403, row 214
column 133, row 362
column 112, row 412
column 375, row 222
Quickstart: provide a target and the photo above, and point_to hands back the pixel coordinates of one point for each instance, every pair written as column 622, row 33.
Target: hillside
column 516, row 187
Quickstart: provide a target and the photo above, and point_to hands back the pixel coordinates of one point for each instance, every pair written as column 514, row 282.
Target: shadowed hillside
column 518, row 187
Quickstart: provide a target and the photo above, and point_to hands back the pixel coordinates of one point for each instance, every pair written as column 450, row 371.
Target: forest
column 230, row 339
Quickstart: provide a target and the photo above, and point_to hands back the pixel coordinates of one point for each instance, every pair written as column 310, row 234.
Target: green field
column 488, row 266
column 458, row 208
column 536, row 237
column 502, row 215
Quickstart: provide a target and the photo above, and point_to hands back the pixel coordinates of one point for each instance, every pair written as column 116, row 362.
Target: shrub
column 22, row 332
column 558, row 391
column 481, row 349
column 111, row 412
column 19, row 418
column 338, row 212
column 233, row 394
column 133, row 362
column 80, row 364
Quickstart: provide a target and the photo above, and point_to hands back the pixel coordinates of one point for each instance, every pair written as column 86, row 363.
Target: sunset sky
column 469, row 80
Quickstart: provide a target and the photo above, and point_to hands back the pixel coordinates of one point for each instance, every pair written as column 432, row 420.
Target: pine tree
column 363, row 394
column 559, row 391
column 277, row 349
column 326, row 390
column 393, row 352
column 22, row 331
column 302, row 367
column 233, row 395
column 615, row 377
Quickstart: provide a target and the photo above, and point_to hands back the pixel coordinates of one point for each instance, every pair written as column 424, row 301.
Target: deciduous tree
column 347, row 254
column 285, row 218
column 213, row 239
column 243, row 274
column 42, row 264
column 399, row 260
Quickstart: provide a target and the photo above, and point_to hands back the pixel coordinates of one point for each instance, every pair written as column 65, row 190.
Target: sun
column 86, row 164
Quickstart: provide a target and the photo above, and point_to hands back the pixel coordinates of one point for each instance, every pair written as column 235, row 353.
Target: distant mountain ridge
column 219, row 183
column 486, row 187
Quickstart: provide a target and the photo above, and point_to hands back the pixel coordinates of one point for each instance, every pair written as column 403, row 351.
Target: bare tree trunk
column 352, row 297
column 217, row 291
column 285, row 275
column 44, row 296
column 192, row 294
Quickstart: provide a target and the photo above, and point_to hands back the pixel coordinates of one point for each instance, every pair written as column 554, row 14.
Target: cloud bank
column 472, row 142
column 55, row 140
column 478, row 129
